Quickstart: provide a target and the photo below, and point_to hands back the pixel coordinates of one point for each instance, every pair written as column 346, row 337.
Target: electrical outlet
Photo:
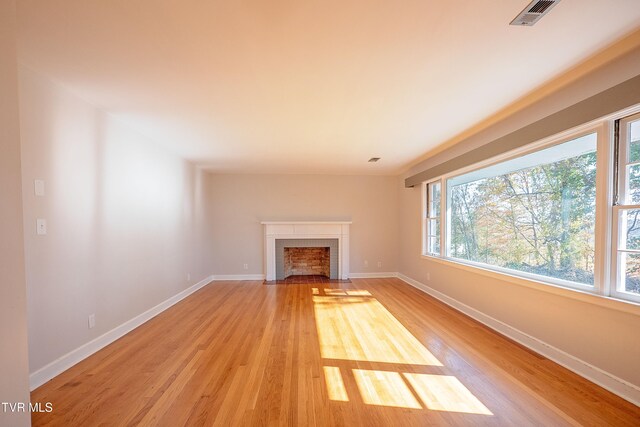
column 366, row 263
column 428, row 277
column 245, row 266
column 41, row 226
column 188, row 277
column 379, row 263
column 92, row 321
column 38, row 187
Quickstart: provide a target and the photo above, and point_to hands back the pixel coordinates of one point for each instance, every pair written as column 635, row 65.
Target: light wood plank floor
column 372, row 352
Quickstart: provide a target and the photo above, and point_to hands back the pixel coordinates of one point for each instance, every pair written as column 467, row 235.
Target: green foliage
column 539, row 220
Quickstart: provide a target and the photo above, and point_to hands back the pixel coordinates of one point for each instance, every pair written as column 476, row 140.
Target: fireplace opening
column 307, row 261
column 306, row 257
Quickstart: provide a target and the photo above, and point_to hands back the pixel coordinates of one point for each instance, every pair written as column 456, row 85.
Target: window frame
column 616, row 273
column 603, row 167
column 426, row 217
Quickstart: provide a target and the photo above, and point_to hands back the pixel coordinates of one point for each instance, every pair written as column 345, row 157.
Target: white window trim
column 604, row 201
column 616, row 272
column 556, row 139
column 426, row 218
column 525, row 275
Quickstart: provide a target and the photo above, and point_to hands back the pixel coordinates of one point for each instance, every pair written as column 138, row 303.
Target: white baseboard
column 373, row 275
column 219, row 277
column 44, row 374
column 616, row 385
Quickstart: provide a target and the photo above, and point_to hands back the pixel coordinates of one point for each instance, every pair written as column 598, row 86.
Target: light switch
column 41, row 226
column 39, row 187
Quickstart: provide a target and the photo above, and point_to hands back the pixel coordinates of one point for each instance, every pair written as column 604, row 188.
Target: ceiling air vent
column 533, row 12
column 373, row 159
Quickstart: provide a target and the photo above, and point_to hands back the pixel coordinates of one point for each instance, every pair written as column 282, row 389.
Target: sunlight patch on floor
column 358, row 292
column 360, row 328
column 335, row 384
column 445, row 393
column 384, row 388
column 354, row 326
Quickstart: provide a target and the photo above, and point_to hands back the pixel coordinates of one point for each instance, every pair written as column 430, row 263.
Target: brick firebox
column 306, row 261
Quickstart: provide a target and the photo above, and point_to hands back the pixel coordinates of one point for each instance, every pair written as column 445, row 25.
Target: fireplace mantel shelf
column 274, row 230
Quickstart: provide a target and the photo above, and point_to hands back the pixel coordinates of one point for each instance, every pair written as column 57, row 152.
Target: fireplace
column 306, row 257
column 333, row 235
column 306, row 262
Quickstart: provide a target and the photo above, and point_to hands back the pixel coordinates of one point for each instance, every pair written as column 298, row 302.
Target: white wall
column 126, row 220
column 240, row 202
column 606, row 338
column 14, row 386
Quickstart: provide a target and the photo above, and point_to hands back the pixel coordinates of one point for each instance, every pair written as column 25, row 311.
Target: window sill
column 580, row 295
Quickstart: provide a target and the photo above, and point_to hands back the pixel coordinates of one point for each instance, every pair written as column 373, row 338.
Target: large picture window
column 563, row 211
column 534, row 213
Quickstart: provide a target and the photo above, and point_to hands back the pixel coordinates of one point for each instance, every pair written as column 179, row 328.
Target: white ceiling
column 308, row 86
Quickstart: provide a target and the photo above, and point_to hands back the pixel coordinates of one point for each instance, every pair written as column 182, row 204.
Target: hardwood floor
column 371, row 352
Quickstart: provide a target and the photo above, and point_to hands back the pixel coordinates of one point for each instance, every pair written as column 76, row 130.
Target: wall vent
column 533, row 12
column 373, row 159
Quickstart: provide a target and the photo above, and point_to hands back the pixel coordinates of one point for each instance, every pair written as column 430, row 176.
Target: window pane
column 634, row 151
column 630, row 235
column 433, row 246
column 531, row 214
column 435, row 208
column 633, row 185
column 634, row 142
column 631, row 267
column 433, row 236
column 434, row 227
column 434, row 199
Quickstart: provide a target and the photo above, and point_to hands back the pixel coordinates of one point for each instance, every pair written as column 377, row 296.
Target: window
column 627, row 212
column 564, row 211
column 432, row 218
column 534, row 214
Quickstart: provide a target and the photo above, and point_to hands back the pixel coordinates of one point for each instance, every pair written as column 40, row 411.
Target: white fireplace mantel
column 274, row 230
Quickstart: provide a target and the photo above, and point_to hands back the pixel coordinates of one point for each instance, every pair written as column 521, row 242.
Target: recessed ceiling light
column 374, row 159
